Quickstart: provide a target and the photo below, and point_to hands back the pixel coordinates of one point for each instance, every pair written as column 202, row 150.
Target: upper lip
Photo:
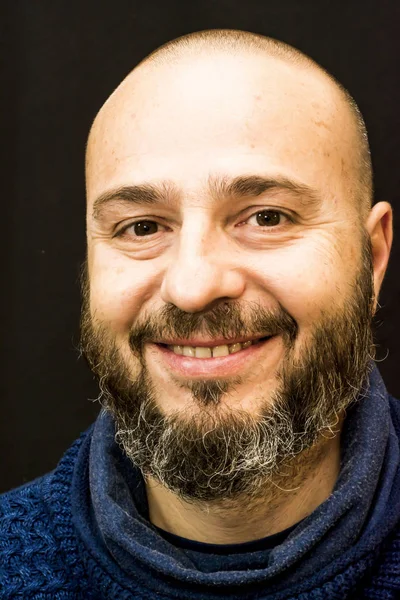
column 201, row 342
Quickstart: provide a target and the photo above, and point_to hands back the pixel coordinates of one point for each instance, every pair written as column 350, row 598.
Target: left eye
column 266, row 218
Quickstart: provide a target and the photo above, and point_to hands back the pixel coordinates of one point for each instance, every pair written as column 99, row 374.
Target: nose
column 201, row 272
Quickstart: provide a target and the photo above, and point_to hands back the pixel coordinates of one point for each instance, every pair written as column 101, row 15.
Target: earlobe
column 379, row 226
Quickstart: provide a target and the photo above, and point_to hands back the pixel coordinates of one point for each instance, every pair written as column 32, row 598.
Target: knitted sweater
column 51, row 550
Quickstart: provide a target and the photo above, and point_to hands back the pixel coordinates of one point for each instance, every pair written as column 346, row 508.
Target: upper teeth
column 204, row 352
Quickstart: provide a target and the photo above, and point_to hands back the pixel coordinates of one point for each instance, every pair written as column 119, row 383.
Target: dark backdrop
column 59, row 62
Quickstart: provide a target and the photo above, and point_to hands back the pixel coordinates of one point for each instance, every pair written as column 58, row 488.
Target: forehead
column 185, row 120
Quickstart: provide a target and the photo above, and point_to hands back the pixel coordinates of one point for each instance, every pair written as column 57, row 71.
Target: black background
column 59, row 62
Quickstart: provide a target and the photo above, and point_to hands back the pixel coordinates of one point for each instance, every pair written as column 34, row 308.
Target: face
column 229, row 286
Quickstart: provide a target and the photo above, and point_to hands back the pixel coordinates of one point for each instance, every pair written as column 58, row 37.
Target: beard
column 220, row 454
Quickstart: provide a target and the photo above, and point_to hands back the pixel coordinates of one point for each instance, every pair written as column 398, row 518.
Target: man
column 248, row 447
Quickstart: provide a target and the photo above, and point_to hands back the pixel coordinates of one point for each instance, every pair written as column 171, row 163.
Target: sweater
column 82, row 531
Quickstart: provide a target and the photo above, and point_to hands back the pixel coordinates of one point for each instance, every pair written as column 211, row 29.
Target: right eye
column 144, row 228
column 139, row 229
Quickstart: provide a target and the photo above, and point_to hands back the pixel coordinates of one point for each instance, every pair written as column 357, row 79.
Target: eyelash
column 124, row 229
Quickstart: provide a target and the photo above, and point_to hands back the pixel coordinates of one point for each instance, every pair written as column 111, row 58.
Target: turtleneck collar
column 352, row 521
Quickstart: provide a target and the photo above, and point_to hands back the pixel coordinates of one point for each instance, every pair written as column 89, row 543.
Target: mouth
column 213, row 351
column 216, row 360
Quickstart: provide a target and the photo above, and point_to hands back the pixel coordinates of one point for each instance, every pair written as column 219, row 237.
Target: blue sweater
column 82, row 532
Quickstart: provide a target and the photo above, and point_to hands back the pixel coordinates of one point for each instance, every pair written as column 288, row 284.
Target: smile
column 203, row 352
column 220, row 360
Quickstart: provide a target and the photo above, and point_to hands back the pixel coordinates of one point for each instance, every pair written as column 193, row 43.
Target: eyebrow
column 219, row 187
column 133, row 195
column 256, row 185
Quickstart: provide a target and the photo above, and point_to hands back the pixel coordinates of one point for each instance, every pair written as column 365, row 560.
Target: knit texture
column 43, row 555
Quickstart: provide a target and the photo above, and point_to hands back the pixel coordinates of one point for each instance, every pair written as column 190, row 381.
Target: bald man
column 248, row 447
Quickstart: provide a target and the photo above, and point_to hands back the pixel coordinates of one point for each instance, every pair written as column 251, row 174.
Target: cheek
column 309, row 279
column 119, row 290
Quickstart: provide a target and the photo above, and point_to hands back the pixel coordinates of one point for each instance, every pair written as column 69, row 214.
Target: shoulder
column 32, row 556
column 385, row 572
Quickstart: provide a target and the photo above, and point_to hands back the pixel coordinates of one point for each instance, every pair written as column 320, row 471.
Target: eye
column 139, row 229
column 266, row 218
column 142, row 228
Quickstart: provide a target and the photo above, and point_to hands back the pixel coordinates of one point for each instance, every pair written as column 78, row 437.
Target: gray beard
column 219, row 455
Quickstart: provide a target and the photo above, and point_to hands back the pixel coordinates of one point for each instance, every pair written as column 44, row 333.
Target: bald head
column 227, row 40
column 271, row 58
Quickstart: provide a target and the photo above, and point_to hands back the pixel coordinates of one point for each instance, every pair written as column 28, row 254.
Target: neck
column 300, row 487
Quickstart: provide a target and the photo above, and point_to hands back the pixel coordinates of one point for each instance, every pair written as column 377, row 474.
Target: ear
column 379, row 225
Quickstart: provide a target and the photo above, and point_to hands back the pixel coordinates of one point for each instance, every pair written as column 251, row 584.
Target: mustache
column 228, row 320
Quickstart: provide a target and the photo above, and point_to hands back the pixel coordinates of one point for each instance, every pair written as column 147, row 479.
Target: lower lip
column 222, row 366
